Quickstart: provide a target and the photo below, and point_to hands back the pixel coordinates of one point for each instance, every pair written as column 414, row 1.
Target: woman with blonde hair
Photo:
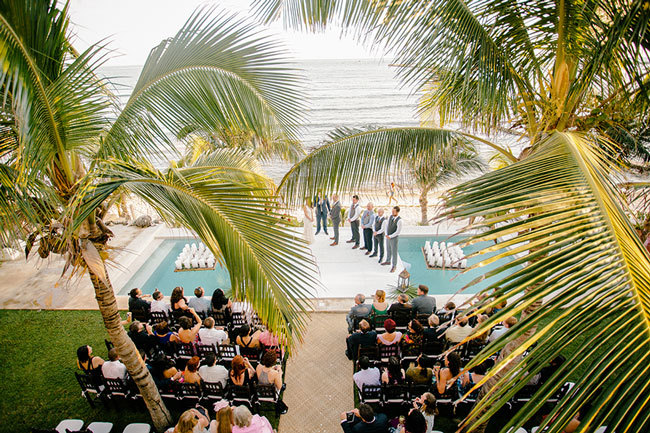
column 224, row 420
column 379, row 304
column 246, row 422
column 194, row 421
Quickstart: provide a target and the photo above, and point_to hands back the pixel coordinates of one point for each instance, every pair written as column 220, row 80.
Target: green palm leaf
column 224, row 199
column 217, row 73
column 583, row 260
column 355, row 158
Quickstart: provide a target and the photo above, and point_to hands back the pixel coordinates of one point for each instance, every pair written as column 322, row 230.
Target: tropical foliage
column 570, row 77
column 67, row 150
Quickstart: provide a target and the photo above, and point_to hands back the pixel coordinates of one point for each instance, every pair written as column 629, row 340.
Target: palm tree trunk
column 128, row 353
column 424, row 204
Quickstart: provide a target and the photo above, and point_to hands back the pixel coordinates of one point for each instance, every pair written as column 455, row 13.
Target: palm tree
column 66, row 149
column 547, row 70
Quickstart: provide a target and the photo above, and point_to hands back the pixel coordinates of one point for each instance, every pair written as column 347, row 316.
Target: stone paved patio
column 319, row 378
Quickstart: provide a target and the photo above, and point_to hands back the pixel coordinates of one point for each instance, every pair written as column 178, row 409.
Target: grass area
column 37, row 359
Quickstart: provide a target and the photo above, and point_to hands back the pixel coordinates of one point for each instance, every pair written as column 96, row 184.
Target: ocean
column 349, row 93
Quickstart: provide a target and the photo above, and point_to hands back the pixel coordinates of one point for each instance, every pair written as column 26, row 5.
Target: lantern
column 403, row 280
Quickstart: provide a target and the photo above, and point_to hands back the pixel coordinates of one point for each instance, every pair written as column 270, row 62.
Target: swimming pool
column 440, row 281
column 158, row 272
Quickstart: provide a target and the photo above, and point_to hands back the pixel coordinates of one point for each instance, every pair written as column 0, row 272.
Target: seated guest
column 178, row 303
column 194, row 421
column 420, row 373
column 412, row 340
column 224, row 418
column 158, row 305
column 500, row 306
column 366, row 375
column 188, row 333
column 113, row 368
column 445, row 377
column 213, row 372
column 482, row 337
column 459, row 331
column 136, row 303
column 212, row 335
column 246, row 422
column 401, row 311
column 427, row 404
column 446, row 313
column 200, row 303
column 268, row 372
column 164, row 335
column 391, row 336
column 241, row 371
column 246, row 339
column 415, row 422
column 91, row 365
column 433, row 331
column 163, row 370
column 364, row 420
column 142, row 336
column 423, row 303
column 359, row 311
column 268, row 339
column 394, row 373
column 500, row 330
column 364, row 338
column 191, row 375
column 220, row 303
column 379, row 304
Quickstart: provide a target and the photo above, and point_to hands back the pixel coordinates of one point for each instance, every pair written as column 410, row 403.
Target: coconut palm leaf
column 217, row 73
column 581, row 257
column 355, row 158
column 229, row 207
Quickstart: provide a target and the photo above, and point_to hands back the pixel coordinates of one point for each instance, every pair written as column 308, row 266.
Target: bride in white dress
column 308, row 222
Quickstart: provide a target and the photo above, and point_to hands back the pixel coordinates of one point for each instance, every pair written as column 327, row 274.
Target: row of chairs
column 402, row 320
column 227, row 320
column 77, row 425
column 225, row 352
column 186, row 394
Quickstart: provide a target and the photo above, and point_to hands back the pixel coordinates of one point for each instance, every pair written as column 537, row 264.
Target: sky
column 133, row 27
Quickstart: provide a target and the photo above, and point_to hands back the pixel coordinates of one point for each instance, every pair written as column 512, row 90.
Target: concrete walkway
column 319, row 378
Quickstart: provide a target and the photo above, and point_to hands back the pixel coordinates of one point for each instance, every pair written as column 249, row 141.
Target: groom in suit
column 353, row 218
column 322, row 208
column 335, row 214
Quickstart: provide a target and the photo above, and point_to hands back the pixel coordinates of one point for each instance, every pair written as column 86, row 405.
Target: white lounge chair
column 69, row 424
column 137, row 428
column 100, row 427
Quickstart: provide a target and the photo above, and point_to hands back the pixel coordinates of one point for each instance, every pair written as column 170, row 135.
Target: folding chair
column 371, row 394
column 69, row 424
column 385, row 352
column 220, row 318
column 252, row 354
column 89, row 388
column 238, row 319
column 190, row 393
column 156, row 317
column 203, row 349
column 378, row 322
column 100, row 427
column 242, row 395
column 227, row 352
column 137, row 428
column 213, row 391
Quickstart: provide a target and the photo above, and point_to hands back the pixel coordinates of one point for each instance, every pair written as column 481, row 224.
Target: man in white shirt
column 200, row 303
column 113, row 368
column 367, row 224
column 353, row 218
column 213, row 373
column 158, row 304
column 378, row 231
column 393, row 229
column 500, row 330
column 211, row 335
column 366, row 375
column 459, row 331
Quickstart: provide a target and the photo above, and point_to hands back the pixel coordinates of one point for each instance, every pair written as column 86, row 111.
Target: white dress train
column 308, row 228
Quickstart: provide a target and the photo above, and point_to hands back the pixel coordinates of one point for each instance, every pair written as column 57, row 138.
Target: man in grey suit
column 353, row 218
column 423, row 303
column 335, row 214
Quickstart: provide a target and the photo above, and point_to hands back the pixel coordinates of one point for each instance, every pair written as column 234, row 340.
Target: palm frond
column 355, row 158
column 217, row 73
column 564, row 221
column 231, row 210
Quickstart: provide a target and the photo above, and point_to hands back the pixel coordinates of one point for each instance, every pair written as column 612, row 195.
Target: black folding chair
column 213, row 392
column 90, row 388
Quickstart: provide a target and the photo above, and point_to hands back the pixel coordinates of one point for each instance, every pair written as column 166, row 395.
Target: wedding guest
column 268, row 372
column 444, row 377
column 421, row 373
column 200, row 303
column 241, row 371
column 212, row 335
column 401, row 311
column 247, row 338
column 191, row 375
column 136, row 303
column 158, row 304
column 366, row 375
column 367, row 224
column 220, row 302
column 335, row 214
column 505, row 327
column 360, row 310
column 91, row 365
column 459, row 331
column 423, row 303
column 194, row 421
column 178, row 303
column 188, row 333
column 390, row 336
column 246, row 422
column 353, row 219
column 142, row 336
column 321, row 207
column 364, row 420
column 393, row 374
column 164, row 335
column 379, row 304
column 212, row 372
column 113, row 368
column 364, row 338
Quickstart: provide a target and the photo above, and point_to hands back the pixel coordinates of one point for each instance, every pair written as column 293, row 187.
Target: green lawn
column 37, row 365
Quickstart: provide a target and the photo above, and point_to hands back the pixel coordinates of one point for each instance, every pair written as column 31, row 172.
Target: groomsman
column 353, row 218
column 367, row 221
column 335, row 214
column 322, row 208
column 393, row 230
column 379, row 229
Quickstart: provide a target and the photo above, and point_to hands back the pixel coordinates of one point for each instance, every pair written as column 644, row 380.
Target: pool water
column 440, row 281
column 158, row 272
